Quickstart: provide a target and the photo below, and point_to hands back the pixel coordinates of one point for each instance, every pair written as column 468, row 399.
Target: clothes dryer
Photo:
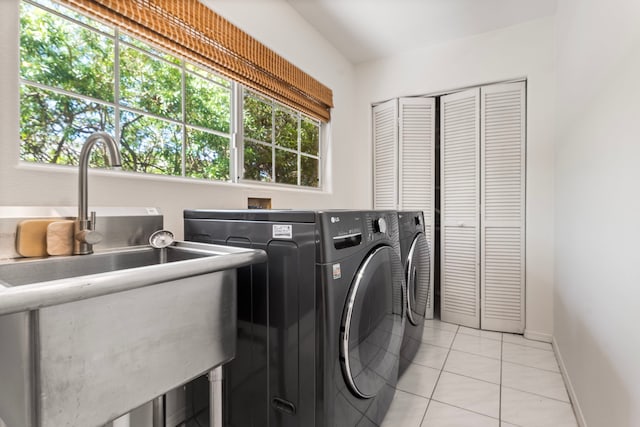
column 415, row 256
column 320, row 326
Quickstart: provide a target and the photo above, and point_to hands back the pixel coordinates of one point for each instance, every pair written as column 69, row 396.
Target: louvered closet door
column 417, row 168
column 385, row 155
column 459, row 204
column 503, row 207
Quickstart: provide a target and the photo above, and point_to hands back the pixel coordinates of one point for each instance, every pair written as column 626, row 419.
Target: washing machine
column 320, row 325
column 415, row 257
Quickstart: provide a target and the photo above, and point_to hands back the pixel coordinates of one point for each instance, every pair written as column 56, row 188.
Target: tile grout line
column 529, row 346
column 538, row 395
column 533, row 367
column 472, row 378
column 440, row 330
column 438, row 379
column 466, row 409
column 454, row 330
column 436, row 345
column 474, row 354
column 482, row 336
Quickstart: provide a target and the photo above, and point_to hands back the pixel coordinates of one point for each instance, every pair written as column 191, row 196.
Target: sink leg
column 158, row 412
column 123, row 421
column 215, row 397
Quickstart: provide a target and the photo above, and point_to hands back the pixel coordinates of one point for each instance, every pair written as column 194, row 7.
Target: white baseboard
column 537, row 336
column 567, row 382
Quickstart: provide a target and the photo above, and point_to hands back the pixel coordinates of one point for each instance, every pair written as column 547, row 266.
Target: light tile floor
column 463, row 377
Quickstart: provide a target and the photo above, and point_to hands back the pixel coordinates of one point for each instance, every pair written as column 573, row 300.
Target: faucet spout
column 85, row 234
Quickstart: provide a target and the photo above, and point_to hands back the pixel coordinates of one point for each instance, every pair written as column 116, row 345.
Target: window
column 280, row 145
column 79, row 76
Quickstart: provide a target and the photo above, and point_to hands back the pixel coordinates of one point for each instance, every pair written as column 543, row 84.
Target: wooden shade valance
column 195, row 32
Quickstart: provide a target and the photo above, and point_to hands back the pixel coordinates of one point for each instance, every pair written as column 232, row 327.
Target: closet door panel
column 460, row 192
column 416, row 154
column 503, row 207
column 417, row 168
column 385, row 155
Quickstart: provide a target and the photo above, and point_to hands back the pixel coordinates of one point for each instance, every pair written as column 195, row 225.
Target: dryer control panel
column 344, row 232
column 345, row 229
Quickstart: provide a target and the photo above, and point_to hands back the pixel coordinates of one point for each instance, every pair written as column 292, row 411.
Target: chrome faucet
column 85, row 234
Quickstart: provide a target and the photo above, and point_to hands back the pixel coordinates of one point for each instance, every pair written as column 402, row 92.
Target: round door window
column 418, row 279
column 373, row 323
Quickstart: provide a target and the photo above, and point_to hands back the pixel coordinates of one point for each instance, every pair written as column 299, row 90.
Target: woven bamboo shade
column 190, row 29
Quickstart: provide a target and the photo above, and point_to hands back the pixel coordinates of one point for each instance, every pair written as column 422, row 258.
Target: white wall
column 597, row 218
column 293, row 38
column 524, row 50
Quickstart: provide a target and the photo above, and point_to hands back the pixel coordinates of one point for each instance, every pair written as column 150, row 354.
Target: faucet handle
column 91, row 237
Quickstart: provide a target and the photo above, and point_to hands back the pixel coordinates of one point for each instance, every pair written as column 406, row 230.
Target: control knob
column 380, row 225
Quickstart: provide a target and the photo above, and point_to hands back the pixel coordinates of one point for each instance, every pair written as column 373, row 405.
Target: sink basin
column 24, row 272
column 85, row 339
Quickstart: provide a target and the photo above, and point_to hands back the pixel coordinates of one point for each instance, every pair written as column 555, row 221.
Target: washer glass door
column 418, row 277
column 373, row 323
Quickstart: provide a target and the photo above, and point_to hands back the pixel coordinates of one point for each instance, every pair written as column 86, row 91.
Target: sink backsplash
column 120, row 226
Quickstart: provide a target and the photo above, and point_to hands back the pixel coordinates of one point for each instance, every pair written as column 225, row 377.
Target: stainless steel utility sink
column 85, row 339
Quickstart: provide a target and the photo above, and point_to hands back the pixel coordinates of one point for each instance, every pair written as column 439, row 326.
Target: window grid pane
column 286, row 167
column 286, row 128
column 207, row 104
column 293, row 139
column 59, row 53
column 150, row 84
column 54, row 126
column 150, row 145
column 207, row 155
column 310, row 136
column 309, row 176
column 258, row 161
column 257, row 118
